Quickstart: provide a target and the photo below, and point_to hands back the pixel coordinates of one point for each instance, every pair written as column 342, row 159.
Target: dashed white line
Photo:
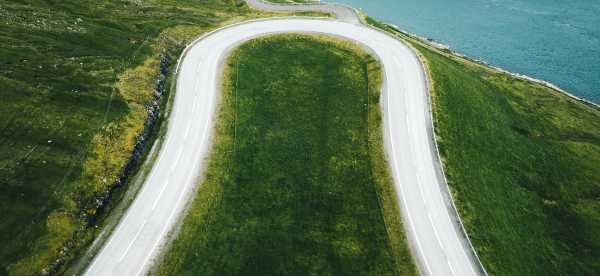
column 133, row 240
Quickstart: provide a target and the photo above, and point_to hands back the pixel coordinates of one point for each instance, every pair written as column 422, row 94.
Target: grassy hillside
column 523, row 163
column 297, row 183
column 78, row 80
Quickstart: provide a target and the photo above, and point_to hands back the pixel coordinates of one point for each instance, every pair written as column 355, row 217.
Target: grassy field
column 523, row 163
column 77, row 81
column 296, row 183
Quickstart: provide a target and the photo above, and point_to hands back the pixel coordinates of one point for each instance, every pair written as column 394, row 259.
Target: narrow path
column 341, row 12
column 430, row 220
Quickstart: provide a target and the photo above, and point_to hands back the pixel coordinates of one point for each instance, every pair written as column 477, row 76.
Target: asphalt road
column 341, row 12
column 430, row 221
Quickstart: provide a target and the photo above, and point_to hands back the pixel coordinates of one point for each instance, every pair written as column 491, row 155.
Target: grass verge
column 522, row 162
column 296, row 182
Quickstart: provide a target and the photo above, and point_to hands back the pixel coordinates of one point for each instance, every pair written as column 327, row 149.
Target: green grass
column 297, row 183
column 75, row 79
column 522, row 162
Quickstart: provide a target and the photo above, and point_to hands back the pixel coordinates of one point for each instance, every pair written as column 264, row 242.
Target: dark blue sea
column 553, row 40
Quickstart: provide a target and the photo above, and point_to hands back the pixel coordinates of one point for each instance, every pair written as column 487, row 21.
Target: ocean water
column 553, row 40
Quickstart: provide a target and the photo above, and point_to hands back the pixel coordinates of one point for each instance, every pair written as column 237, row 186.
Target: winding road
column 437, row 241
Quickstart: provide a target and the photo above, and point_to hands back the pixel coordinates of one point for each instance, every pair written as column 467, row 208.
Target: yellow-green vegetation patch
column 296, row 182
column 522, row 161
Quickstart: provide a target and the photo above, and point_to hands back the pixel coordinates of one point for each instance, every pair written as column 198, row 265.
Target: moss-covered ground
column 297, row 183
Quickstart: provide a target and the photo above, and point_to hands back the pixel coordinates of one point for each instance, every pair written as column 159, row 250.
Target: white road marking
column 437, row 236
column 133, row 240
column 160, row 195
column 451, row 268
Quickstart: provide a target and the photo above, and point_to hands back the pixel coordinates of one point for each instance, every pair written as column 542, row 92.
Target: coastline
column 443, row 47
